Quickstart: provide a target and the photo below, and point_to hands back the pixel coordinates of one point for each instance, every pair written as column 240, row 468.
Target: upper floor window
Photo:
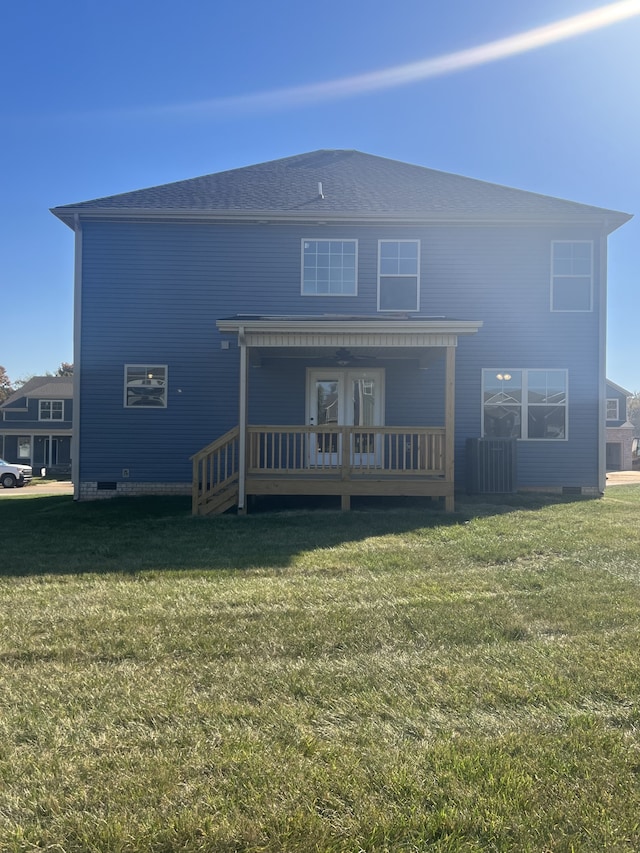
column 572, row 275
column 329, row 267
column 530, row 404
column 398, row 275
column 51, row 410
column 613, row 410
column 145, row 386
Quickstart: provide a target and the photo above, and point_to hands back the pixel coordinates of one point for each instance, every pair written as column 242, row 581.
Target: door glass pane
column 364, row 402
column 363, row 413
column 327, row 402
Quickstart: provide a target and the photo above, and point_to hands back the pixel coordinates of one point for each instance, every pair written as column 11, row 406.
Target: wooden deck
column 328, row 460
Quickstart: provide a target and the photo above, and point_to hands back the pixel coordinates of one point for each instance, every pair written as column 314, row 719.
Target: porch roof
column 346, row 330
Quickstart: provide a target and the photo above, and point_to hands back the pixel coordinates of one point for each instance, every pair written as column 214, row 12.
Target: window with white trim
column 572, row 275
column 329, row 267
column 398, row 275
column 24, row 447
column 527, row 404
column 51, row 410
column 145, row 386
column 613, row 409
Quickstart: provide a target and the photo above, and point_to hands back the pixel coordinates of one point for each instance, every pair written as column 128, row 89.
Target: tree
column 6, row 388
column 65, row 369
column 633, row 412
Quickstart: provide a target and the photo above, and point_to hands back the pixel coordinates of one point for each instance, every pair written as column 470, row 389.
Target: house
column 335, row 323
column 35, row 423
column 619, row 429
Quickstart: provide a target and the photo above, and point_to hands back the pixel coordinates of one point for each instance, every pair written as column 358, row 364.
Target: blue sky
column 100, row 98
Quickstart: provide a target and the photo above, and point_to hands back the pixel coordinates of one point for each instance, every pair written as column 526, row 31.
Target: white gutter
column 610, row 220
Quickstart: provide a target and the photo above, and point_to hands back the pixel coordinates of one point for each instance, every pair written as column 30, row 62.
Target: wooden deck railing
column 355, row 451
column 215, row 475
column 333, row 452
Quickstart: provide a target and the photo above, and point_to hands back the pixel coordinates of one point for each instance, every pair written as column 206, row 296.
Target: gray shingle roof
column 43, row 388
column 353, row 183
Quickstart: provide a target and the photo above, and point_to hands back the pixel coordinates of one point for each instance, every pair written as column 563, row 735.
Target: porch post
column 449, row 423
column 242, row 437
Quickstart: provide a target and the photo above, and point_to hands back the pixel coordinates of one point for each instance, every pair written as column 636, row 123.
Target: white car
column 14, row 475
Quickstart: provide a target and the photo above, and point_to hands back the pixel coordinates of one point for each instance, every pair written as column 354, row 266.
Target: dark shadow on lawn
column 54, row 535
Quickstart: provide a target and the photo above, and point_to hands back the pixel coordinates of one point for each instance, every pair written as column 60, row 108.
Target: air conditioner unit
column 491, row 466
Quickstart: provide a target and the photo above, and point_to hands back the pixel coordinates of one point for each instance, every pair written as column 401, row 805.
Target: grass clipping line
column 322, row 682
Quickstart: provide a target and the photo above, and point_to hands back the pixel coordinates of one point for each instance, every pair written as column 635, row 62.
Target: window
column 527, row 404
column 51, row 410
column 145, row 386
column 398, row 280
column 613, row 411
column 24, row 447
column 571, row 275
column 329, row 267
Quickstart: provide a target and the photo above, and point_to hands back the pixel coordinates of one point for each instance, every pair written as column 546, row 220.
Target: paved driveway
column 623, row 478
column 41, row 487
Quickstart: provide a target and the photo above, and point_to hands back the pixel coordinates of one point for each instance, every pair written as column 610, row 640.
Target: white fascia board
column 609, row 221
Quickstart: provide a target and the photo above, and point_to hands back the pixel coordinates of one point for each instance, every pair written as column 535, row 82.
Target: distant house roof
column 339, row 184
column 42, row 388
column 619, row 389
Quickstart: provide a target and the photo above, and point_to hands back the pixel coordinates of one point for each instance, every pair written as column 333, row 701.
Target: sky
column 100, row 98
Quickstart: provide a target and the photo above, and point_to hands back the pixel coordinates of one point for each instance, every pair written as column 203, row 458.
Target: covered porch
column 340, row 442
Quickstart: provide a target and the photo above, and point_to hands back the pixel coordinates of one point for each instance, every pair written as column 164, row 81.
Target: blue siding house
column 35, row 424
column 336, row 323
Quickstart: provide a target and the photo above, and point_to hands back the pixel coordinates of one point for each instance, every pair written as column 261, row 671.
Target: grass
column 399, row 680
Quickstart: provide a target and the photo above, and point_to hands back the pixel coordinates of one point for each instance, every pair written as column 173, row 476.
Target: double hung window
column 51, row 410
column 613, row 409
column 572, row 275
column 145, row 386
column 528, row 404
column 329, row 267
column 398, row 275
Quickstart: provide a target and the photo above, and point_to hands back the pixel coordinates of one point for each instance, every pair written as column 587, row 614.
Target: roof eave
column 608, row 220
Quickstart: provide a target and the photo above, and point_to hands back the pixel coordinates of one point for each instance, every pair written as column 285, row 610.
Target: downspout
column 242, row 423
column 602, row 368
column 77, row 317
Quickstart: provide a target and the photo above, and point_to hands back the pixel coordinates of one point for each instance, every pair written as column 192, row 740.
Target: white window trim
column 146, row 368
column 554, row 277
column 51, row 402
column 400, row 275
column 327, row 240
column 524, row 406
column 615, row 400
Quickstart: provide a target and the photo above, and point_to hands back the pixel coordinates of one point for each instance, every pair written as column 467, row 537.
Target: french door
column 341, row 397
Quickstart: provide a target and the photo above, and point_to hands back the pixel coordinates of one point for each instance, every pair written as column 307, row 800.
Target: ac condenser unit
column 491, row 465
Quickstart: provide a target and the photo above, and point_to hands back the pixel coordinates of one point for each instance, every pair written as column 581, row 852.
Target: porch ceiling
column 373, row 334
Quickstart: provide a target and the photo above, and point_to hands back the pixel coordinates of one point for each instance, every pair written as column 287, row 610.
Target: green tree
column 6, row 388
column 633, row 412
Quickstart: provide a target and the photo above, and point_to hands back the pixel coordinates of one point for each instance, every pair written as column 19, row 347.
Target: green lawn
column 399, row 680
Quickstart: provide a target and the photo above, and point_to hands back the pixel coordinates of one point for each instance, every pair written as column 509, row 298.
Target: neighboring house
column 336, row 323
column 35, row 423
column 619, row 429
